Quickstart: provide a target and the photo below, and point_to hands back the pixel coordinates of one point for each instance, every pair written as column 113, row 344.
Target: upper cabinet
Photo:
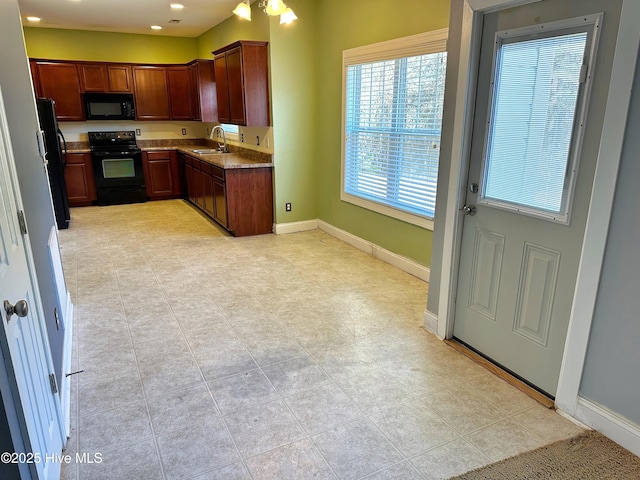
column 203, row 91
column 242, row 85
column 100, row 77
column 60, row 82
column 161, row 92
column 180, row 95
column 151, row 93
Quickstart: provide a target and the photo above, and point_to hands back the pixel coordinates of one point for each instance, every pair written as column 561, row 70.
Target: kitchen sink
column 206, row 151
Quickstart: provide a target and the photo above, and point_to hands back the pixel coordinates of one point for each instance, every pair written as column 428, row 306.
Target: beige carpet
column 590, row 456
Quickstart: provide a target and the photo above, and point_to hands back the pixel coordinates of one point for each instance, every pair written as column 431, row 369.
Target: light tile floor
column 272, row 357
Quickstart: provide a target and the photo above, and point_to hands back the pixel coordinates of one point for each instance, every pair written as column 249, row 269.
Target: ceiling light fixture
column 33, row 19
column 288, row 16
column 156, row 27
column 270, row 7
column 176, row 6
column 243, row 10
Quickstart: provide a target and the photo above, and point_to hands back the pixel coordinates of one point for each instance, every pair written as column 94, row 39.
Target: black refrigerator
column 56, row 161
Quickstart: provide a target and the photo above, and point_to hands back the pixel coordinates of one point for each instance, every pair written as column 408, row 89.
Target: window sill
column 423, row 222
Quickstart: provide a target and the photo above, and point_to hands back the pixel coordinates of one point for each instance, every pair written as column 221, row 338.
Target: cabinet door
column 78, row 175
column 151, row 93
column 197, row 186
column 188, row 173
column 119, row 78
column 93, row 78
column 220, row 202
column 180, row 93
column 160, row 178
column 60, row 82
column 236, row 86
column 207, row 195
column 222, row 88
column 204, row 101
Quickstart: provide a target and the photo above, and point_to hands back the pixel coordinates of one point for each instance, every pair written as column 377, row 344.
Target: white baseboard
column 431, row 322
column 617, row 428
column 67, row 366
column 293, row 227
column 376, row 251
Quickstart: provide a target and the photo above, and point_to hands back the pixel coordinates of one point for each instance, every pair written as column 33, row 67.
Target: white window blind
column 535, row 102
column 392, row 123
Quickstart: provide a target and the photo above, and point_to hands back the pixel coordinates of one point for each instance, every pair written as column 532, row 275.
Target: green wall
column 59, row 44
column 357, row 24
column 294, row 75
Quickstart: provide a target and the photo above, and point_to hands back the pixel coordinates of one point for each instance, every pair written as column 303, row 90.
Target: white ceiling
column 128, row 16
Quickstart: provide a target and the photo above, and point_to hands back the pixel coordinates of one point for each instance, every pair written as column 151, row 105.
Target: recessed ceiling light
column 176, row 6
column 156, row 27
column 33, row 19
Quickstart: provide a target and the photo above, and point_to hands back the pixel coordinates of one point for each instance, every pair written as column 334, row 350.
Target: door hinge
column 57, row 317
column 22, row 222
column 52, row 381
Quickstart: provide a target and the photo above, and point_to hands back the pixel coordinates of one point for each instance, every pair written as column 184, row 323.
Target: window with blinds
column 533, row 129
column 392, row 122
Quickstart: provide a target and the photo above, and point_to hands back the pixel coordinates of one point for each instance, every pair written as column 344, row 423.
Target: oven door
column 119, row 177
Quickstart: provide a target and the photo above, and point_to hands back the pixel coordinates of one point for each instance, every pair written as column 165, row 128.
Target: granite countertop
column 237, row 158
column 227, row 160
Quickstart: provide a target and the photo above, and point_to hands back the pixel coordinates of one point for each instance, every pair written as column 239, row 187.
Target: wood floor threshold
column 506, row 376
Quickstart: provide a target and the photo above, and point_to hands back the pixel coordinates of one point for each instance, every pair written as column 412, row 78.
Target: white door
column 24, row 334
column 529, row 184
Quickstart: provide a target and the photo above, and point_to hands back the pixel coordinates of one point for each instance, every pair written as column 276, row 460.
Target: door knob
column 21, row 309
column 468, row 210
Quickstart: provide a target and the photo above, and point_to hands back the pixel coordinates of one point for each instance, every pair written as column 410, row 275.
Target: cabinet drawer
column 159, row 155
column 206, row 168
column 217, row 172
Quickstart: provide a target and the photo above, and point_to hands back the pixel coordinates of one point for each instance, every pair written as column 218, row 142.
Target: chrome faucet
column 223, row 148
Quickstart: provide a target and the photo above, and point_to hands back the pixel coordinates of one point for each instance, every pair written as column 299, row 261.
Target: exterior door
column 24, row 334
column 531, row 169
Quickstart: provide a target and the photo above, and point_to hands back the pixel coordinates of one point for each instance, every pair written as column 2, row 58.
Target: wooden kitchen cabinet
column 151, row 93
column 242, row 86
column 161, row 174
column 119, row 79
column 102, row 77
column 219, row 196
column 79, row 179
column 202, row 91
column 180, row 96
column 60, row 81
column 239, row 199
column 93, row 77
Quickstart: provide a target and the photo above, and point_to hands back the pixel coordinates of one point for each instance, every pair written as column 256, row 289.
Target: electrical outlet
column 242, row 137
column 287, row 207
column 137, row 132
column 184, row 131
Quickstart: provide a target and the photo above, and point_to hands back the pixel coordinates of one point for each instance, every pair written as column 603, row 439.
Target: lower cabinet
column 78, row 175
column 241, row 199
column 161, row 174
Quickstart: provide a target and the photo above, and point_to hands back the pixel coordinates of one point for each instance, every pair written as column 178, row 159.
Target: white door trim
column 600, row 209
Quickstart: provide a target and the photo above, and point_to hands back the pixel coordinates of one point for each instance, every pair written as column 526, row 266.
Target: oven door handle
column 128, row 153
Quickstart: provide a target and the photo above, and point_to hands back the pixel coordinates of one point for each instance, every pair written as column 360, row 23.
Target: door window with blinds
column 536, row 119
column 393, row 96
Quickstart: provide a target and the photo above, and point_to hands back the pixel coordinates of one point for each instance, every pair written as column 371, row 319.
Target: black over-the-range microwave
column 109, row 106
